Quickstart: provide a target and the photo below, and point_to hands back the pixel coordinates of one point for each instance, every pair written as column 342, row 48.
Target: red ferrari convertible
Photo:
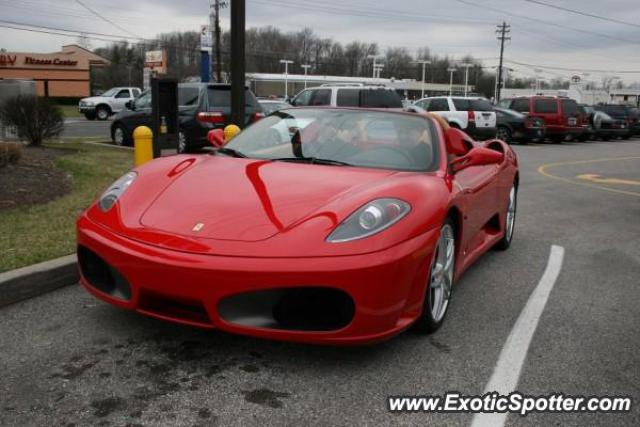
column 318, row 225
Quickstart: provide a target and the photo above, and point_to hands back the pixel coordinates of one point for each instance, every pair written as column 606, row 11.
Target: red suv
column 561, row 115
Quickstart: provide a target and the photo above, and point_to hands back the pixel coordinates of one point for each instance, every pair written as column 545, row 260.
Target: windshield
column 467, row 104
column 188, row 96
column 110, row 92
column 369, row 139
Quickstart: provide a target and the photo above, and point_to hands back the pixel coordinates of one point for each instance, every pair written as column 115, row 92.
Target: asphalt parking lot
column 69, row 359
column 83, row 128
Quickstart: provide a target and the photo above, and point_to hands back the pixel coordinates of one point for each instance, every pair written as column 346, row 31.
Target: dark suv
column 202, row 107
column 623, row 113
column 561, row 115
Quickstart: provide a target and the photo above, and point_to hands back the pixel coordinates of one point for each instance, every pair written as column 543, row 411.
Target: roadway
column 68, row 359
column 83, row 128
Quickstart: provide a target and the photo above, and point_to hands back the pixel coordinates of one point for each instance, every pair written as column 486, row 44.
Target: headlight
column 109, row 197
column 88, row 104
column 370, row 219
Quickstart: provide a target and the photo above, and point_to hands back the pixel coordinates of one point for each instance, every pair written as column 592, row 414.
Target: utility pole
column 376, row 66
column 214, row 28
column 424, row 72
column 238, row 78
column 306, row 72
column 451, row 70
column 466, row 66
column 503, row 32
column 286, row 63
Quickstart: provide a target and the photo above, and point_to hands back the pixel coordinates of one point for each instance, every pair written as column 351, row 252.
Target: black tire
column 606, row 137
column 126, row 139
column 426, row 323
column 504, row 133
column 626, row 137
column 90, row 116
column 557, row 139
column 504, row 243
column 103, row 112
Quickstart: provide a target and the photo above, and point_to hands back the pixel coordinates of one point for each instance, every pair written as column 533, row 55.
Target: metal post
column 286, row 63
column 466, row 66
column 503, row 31
column 306, row 70
column 424, row 73
column 451, row 70
column 238, row 21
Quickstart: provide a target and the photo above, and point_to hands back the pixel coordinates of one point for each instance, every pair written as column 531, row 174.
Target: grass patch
column 33, row 234
column 70, row 111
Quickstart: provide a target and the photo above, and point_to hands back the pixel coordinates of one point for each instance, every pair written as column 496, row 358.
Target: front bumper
column 387, row 287
column 84, row 109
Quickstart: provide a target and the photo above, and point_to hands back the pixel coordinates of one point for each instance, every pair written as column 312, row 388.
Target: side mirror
column 129, row 105
column 216, row 138
column 478, row 156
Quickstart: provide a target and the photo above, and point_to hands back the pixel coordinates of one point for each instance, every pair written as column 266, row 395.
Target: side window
column 348, row 98
column 123, row 94
column 546, row 106
column 438, row 104
column 521, row 105
column 144, row 101
column 303, row 99
column 136, row 93
column 321, row 97
column 423, row 104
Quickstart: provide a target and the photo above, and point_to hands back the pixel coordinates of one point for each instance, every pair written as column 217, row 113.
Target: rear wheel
column 182, row 143
column 557, row 139
column 439, row 281
column 510, row 220
column 503, row 133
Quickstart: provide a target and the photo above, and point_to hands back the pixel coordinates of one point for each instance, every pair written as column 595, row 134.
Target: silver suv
column 348, row 95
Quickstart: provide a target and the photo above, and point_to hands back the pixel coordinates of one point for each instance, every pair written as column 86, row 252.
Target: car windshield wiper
column 230, row 152
column 313, row 161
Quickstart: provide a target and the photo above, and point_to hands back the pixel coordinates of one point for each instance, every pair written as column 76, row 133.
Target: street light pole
column 375, row 64
column 424, row 72
column 238, row 78
column 286, row 63
column 451, row 70
column 466, row 66
column 306, row 72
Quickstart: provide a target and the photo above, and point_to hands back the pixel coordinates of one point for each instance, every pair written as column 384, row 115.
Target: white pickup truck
column 109, row 103
column 475, row 116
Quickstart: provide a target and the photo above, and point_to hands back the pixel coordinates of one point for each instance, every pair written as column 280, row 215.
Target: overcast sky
column 540, row 35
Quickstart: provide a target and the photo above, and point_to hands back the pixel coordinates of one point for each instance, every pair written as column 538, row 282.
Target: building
column 64, row 74
column 265, row 85
column 582, row 95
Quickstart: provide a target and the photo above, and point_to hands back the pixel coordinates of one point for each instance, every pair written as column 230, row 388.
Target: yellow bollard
column 230, row 132
column 143, row 144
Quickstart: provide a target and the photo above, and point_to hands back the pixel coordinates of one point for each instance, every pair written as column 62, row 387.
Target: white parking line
column 506, row 374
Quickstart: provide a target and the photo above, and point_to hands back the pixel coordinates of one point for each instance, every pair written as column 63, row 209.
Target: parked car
column 623, row 113
column 515, row 126
column 560, row 114
column 315, row 240
column 110, row 102
column 202, row 107
column 475, row 116
column 606, row 127
column 348, row 95
column 272, row 105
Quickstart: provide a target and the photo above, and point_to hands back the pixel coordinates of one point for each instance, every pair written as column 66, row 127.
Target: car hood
column 93, row 99
column 249, row 200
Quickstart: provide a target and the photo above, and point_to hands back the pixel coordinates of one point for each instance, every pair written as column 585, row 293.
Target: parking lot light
column 286, row 63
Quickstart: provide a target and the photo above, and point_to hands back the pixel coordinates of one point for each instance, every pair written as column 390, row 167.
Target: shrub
column 9, row 153
column 35, row 119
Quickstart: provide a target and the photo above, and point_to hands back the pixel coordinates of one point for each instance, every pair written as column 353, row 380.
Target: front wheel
column 504, row 134
column 90, row 116
column 103, row 113
column 509, row 221
column 439, row 281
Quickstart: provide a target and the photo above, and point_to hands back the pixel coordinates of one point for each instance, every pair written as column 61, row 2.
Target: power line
column 541, row 21
column 588, row 70
column 578, row 12
column 105, row 18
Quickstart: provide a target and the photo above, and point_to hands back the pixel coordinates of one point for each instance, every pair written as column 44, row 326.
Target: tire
column 626, row 137
column 557, row 139
column 606, row 137
column 119, row 136
column 509, row 220
column 504, row 133
column 439, row 282
column 90, row 116
column 183, row 147
column 103, row 112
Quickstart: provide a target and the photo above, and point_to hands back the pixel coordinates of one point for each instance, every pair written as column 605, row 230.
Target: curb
column 28, row 282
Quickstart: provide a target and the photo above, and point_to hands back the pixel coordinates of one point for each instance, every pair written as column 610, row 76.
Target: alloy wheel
column 441, row 278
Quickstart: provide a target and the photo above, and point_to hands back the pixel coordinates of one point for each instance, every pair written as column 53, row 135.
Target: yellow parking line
column 599, row 179
column 542, row 170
